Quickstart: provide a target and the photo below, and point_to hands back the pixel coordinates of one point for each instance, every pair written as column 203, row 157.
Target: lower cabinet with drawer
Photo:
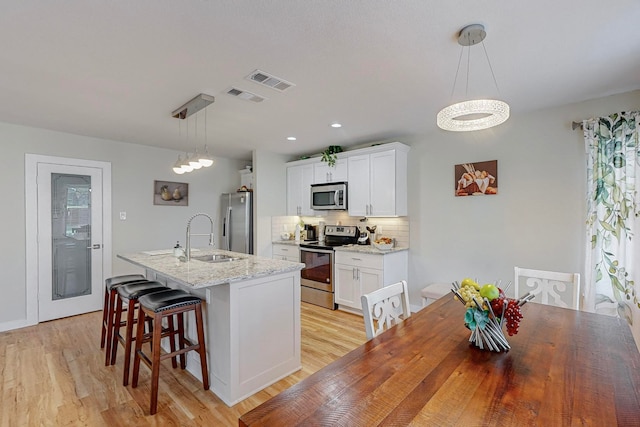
column 359, row 273
column 286, row 252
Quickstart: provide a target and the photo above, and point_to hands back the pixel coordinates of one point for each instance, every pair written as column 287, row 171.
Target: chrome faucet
column 188, row 248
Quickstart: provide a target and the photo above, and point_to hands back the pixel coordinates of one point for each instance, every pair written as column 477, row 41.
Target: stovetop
column 335, row 235
column 322, row 245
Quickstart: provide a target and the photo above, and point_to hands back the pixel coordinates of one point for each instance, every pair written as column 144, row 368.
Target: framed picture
column 170, row 193
column 476, row 179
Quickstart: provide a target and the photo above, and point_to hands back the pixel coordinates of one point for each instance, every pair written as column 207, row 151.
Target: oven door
column 318, row 269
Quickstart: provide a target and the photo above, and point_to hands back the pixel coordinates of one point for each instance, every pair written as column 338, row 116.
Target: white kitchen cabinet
column 376, row 176
column 299, row 180
column 323, row 173
column 378, row 183
column 355, row 282
column 359, row 273
column 286, row 252
column 358, row 185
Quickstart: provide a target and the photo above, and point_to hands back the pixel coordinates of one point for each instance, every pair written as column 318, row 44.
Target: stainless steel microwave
column 329, row 196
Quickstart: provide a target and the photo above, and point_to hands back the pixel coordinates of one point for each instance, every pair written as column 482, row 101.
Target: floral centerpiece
column 488, row 310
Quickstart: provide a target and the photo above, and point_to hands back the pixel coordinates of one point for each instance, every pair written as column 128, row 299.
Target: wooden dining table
column 565, row 367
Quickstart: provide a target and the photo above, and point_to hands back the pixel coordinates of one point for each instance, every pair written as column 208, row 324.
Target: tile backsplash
column 397, row 228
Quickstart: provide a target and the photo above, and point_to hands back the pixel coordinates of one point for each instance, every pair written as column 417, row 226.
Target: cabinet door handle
column 357, row 274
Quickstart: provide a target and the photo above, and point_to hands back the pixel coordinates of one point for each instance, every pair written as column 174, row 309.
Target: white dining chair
column 433, row 291
column 549, row 287
column 384, row 308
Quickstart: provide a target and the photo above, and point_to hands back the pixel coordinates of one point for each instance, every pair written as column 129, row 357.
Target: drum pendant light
column 475, row 114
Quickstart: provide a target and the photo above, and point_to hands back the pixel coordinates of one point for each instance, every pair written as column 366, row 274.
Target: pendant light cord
column 490, row 67
column 466, row 89
column 455, row 80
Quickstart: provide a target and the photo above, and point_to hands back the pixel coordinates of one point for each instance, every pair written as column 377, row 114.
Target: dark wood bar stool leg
column 158, row 306
column 155, row 360
column 181, row 341
column 202, row 348
column 108, row 309
column 130, row 293
column 155, row 337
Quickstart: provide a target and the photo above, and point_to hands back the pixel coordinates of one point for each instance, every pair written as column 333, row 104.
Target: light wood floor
column 53, row 374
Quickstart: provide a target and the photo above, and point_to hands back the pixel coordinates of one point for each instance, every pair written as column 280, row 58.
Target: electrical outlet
column 123, row 216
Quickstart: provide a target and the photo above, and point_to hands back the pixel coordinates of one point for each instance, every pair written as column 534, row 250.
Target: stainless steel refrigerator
column 236, row 211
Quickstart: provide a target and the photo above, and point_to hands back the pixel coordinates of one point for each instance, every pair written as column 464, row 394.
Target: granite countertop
column 200, row 274
column 368, row 249
column 287, row 242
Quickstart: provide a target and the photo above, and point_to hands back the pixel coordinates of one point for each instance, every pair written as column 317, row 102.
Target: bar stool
column 110, row 286
column 130, row 293
column 158, row 306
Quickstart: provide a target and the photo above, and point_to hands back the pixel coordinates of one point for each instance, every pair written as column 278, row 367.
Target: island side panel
column 254, row 331
column 268, row 330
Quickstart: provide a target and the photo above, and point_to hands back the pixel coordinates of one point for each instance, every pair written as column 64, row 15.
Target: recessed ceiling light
column 291, row 138
column 336, row 125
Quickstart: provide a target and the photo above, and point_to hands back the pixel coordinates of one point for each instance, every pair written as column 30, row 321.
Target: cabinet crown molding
column 358, row 151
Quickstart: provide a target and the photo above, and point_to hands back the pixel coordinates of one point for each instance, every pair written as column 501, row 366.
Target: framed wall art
column 170, row 193
column 476, row 179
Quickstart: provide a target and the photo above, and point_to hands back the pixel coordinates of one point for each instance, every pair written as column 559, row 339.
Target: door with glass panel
column 69, row 240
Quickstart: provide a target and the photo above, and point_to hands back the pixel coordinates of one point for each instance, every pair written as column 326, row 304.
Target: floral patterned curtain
column 613, row 176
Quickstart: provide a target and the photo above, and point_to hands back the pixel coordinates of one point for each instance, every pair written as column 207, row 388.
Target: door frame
column 31, row 222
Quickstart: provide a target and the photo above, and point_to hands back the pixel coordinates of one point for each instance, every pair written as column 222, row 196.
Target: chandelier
column 195, row 160
column 475, row 114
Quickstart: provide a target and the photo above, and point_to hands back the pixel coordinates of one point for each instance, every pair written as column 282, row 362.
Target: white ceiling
column 116, row 69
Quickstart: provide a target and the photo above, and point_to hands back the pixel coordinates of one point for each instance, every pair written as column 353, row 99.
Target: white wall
column 134, row 168
column 270, row 183
column 537, row 218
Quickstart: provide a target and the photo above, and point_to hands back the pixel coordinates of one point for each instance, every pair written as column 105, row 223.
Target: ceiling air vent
column 269, row 80
column 243, row 94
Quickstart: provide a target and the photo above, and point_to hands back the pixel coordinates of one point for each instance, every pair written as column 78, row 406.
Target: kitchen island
column 251, row 312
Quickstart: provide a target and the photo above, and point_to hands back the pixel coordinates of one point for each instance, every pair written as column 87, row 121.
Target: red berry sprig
column 513, row 315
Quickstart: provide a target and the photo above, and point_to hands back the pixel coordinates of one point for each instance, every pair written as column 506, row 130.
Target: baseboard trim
column 14, row 324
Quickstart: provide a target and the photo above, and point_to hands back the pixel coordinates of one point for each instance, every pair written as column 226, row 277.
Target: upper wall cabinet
column 378, row 183
column 376, row 176
column 324, row 173
column 299, row 180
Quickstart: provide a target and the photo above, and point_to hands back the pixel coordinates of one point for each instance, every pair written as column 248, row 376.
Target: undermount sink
column 215, row 258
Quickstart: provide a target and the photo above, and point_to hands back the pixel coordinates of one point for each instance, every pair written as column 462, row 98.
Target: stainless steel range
column 317, row 275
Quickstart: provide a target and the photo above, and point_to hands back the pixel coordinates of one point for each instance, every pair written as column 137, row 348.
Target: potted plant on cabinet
column 330, row 155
